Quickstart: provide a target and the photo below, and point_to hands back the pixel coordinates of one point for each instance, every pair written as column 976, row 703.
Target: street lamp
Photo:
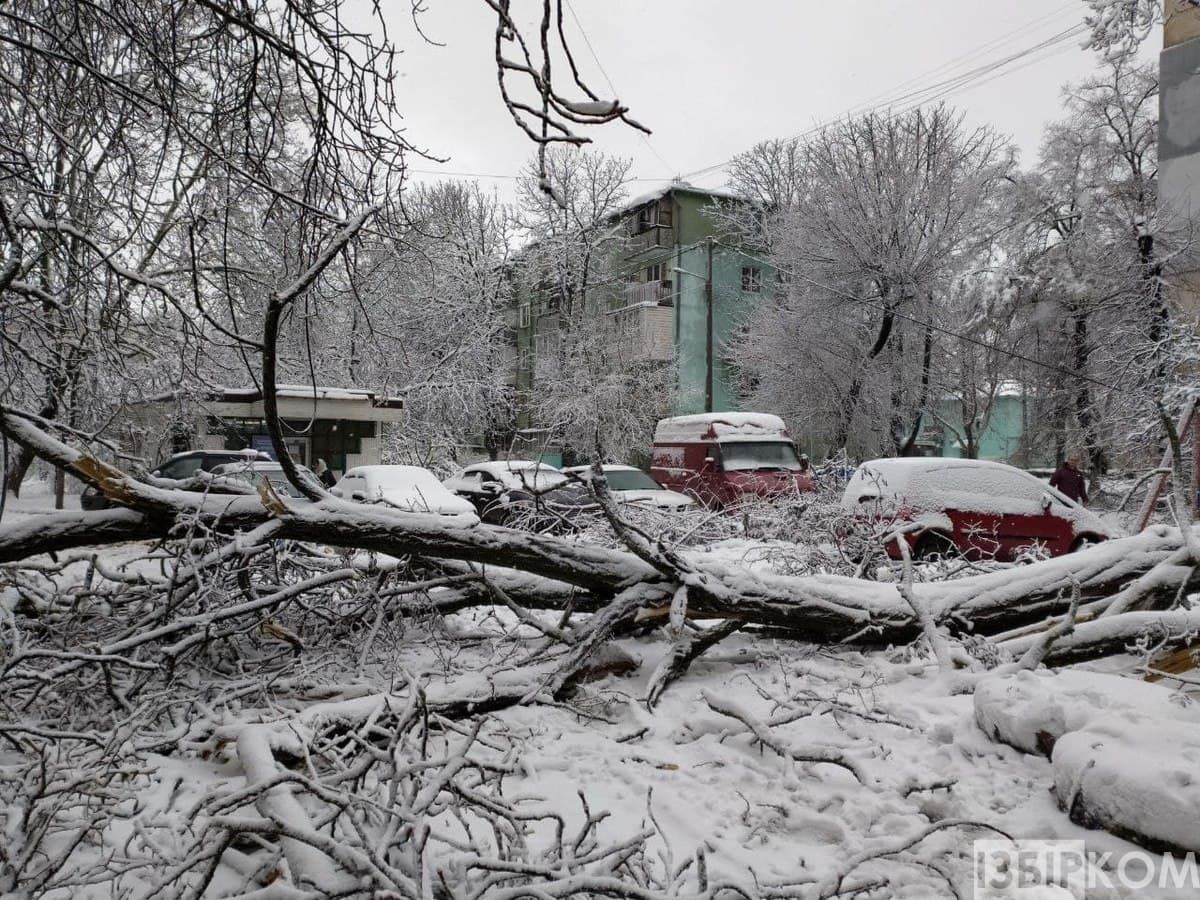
column 708, row 325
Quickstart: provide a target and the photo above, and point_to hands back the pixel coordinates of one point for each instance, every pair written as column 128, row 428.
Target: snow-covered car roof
column 250, row 464
column 517, row 473
column 624, row 490
column 500, row 467
column 393, row 475
column 266, row 468
column 922, row 481
column 701, row 426
column 235, row 456
column 606, row 467
column 411, row 488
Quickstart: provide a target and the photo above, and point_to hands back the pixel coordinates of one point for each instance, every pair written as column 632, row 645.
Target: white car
column 410, row 488
column 631, row 485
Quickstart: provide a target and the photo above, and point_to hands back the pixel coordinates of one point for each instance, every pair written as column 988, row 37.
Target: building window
column 752, row 279
column 654, row 272
column 546, row 344
column 523, row 315
column 524, row 360
column 647, row 217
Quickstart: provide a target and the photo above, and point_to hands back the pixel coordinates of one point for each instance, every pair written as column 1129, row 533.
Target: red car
column 982, row 510
column 722, row 458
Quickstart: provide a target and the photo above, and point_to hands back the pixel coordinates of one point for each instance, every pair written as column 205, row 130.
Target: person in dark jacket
column 326, row 475
column 1069, row 480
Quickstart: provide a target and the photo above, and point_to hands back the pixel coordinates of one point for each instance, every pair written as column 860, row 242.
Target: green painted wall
column 1001, row 439
column 691, row 224
column 731, row 308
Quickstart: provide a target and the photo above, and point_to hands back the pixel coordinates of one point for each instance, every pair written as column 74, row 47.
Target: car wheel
column 934, row 546
column 494, row 513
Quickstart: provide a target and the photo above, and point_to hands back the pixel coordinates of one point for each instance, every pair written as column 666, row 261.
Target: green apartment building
column 669, row 264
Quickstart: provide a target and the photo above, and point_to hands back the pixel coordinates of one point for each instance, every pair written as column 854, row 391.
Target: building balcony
column 645, row 331
column 657, row 293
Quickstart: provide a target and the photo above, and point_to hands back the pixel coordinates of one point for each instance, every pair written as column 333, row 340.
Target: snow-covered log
column 1134, row 776
column 1033, row 710
column 50, row 534
column 819, row 608
column 1104, row 637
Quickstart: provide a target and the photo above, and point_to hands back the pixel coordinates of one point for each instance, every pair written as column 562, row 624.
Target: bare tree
column 418, row 310
column 589, row 382
column 892, row 207
column 1094, row 255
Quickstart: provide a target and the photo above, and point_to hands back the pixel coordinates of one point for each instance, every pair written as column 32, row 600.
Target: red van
column 722, row 458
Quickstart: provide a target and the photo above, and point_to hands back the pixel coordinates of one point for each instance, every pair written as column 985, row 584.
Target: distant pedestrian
column 325, row 474
column 804, row 466
column 1069, row 480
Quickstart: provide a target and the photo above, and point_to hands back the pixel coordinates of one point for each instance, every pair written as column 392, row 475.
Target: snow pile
column 1032, row 710
column 1136, row 776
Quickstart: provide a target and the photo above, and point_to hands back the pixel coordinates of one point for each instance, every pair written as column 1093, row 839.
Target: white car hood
column 444, row 504
column 665, row 499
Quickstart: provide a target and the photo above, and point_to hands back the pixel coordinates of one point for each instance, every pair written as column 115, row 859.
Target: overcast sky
column 712, row 77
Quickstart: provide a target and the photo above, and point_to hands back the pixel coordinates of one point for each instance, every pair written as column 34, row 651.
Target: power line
column 897, row 95
column 1068, row 10
column 936, row 91
column 612, row 87
column 979, row 76
column 975, row 77
column 501, row 176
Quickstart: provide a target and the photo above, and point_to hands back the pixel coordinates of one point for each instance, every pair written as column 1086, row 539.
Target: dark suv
column 179, row 467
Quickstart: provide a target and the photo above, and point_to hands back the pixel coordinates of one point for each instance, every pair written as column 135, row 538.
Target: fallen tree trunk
column 544, row 568
column 65, row 531
column 545, row 572
column 1155, row 631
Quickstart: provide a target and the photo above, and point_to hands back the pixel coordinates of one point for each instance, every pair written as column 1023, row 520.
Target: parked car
column 252, row 471
column 722, row 458
column 508, row 491
column 630, row 485
column 179, row 467
column 409, row 488
column 971, row 507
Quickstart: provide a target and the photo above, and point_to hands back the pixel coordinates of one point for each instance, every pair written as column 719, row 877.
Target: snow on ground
column 694, row 773
column 37, row 498
column 709, row 784
column 703, row 783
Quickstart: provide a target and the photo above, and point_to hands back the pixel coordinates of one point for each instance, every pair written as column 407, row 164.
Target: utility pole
column 708, row 331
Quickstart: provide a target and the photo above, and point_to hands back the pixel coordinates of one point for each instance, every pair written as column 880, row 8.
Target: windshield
column 629, row 480
column 253, row 476
column 742, row 456
column 282, row 486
